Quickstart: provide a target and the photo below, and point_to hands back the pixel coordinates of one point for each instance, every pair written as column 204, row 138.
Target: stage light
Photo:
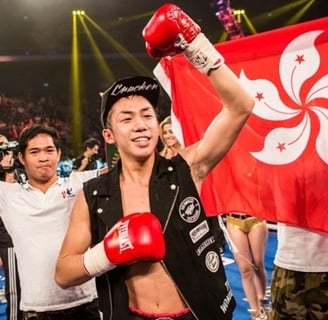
column 238, row 14
column 78, row 12
column 238, row 11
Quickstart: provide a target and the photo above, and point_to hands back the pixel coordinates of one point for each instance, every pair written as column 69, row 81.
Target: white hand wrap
column 203, row 55
column 95, row 261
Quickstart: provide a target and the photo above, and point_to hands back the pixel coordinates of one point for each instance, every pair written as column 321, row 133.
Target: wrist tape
column 203, row 55
column 95, row 261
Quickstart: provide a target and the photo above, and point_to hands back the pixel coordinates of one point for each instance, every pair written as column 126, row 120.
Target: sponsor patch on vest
column 189, row 209
column 226, row 302
column 212, row 261
column 199, row 231
column 207, row 242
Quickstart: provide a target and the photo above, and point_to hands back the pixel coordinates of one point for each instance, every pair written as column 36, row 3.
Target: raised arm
column 171, row 31
column 224, row 128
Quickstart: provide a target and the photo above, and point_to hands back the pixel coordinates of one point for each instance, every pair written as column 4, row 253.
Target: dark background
column 36, row 36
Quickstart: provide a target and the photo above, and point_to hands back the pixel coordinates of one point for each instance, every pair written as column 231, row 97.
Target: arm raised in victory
column 171, row 31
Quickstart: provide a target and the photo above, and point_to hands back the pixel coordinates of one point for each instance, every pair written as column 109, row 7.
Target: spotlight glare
column 78, row 12
column 238, row 11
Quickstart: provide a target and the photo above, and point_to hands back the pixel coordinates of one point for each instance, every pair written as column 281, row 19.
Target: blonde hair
column 167, row 150
column 167, row 120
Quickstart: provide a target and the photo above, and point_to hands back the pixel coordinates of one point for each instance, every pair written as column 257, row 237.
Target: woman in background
column 171, row 144
column 249, row 237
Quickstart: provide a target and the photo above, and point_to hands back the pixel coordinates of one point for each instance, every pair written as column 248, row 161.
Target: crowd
column 18, row 113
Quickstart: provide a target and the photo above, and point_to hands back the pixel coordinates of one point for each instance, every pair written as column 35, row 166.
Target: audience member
column 65, row 167
column 7, row 252
column 152, row 248
column 88, row 159
column 299, row 287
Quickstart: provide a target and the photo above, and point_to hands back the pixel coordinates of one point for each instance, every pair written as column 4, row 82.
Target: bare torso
column 149, row 286
column 151, row 289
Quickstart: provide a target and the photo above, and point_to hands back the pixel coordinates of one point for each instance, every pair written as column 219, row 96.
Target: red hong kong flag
column 278, row 167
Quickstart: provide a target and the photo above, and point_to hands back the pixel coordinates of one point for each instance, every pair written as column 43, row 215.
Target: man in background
column 7, row 253
column 88, row 159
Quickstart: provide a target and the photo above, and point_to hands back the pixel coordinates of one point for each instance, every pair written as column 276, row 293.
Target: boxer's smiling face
column 133, row 127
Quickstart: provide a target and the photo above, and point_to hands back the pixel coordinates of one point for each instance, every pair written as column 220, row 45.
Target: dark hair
column 90, row 143
column 31, row 132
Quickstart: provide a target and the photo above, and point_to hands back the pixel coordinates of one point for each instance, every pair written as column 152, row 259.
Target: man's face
column 41, row 158
column 134, row 127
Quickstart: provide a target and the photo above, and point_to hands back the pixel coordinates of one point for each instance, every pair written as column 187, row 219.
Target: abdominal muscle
column 151, row 289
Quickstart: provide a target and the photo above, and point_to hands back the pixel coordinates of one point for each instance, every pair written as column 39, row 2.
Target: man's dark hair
column 90, row 143
column 31, row 132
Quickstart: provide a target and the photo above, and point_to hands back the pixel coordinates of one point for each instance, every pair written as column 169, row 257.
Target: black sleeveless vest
column 192, row 256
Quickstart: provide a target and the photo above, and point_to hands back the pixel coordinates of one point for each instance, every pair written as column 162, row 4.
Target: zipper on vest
column 110, row 302
column 171, row 209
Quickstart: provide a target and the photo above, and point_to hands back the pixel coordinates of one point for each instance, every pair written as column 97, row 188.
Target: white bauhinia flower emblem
column 299, row 62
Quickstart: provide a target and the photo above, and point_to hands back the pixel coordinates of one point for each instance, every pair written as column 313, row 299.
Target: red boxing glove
column 169, row 31
column 138, row 236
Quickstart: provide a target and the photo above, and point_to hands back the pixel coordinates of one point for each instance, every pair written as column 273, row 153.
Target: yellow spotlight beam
column 75, row 89
column 131, row 60
column 263, row 18
column 223, row 37
column 131, row 18
column 298, row 15
column 237, row 13
column 249, row 23
column 104, row 69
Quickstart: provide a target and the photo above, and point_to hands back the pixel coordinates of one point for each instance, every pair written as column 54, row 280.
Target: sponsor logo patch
column 199, row 231
column 204, row 245
column 189, row 209
column 68, row 193
column 212, row 261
